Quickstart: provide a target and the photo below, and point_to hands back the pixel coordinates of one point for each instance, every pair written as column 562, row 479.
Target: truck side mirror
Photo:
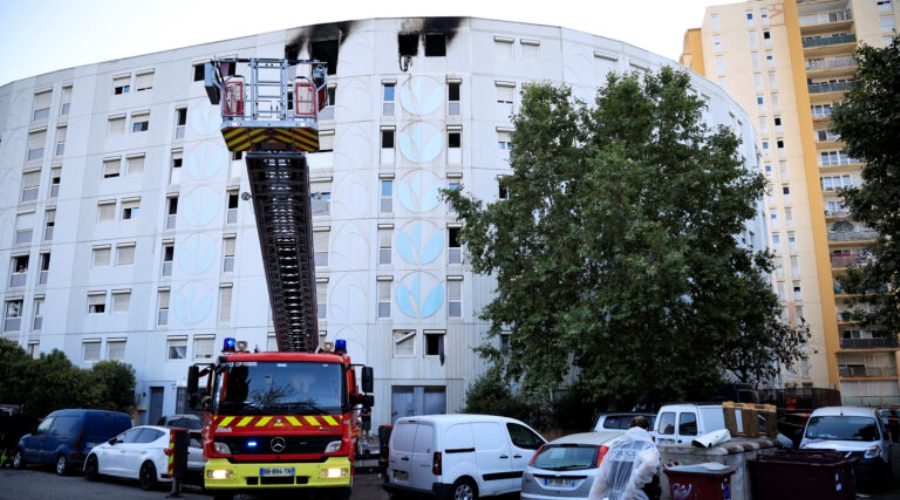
column 368, row 379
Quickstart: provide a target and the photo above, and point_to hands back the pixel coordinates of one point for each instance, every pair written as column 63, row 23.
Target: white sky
column 38, row 36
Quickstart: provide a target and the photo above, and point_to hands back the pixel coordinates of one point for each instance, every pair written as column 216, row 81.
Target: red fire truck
column 286, row 419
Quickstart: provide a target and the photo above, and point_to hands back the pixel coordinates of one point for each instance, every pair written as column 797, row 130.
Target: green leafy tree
column 490, row 395
column 54, row 383
column 112, row 386
column 868, row 121
column 13, row 363
column 615, row 253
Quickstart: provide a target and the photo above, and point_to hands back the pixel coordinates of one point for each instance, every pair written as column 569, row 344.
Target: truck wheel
column 62, row 465
column 464, row 489
column 92, row 469
column 18, row 461
column 147, row 476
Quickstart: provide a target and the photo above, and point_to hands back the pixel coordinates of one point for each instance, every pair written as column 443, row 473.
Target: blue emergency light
column 251, row 444
column 229, row 344
column 340, row 346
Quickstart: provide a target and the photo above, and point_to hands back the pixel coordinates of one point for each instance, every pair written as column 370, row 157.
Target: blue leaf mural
column 433, row 302
column 410, row 301
column 417, row 193
column 413, row 247
column 421, row 96
column 421, row 142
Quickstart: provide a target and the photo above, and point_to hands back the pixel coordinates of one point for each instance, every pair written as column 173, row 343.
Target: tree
column 615, row 254
column 112, row 386
column 13, row 362
column 868, row 121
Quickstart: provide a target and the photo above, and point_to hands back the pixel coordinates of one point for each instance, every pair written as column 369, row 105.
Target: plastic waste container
column 709, row 481
column 791, row 474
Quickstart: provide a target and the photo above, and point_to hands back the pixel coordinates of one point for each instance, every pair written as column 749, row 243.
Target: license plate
column 557, row 482
column 276, row 471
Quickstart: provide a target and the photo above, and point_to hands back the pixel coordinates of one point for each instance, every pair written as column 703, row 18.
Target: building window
column 121, row 301
column 121, row 84
column 752, row 39
column 106, row 211
column 503, row 48
column 171, row 211
column 115, row 349
column 96, row 302
column 453, row 104
column 55, row 180
column 60, row 141
column 131, row 209
column 134, row 165
column 176, row 348
column 228, row 243
column 717, row 43
column 454, row 146
column 19, row 273
column 322, row 300
column 387, row 196
column 502, row 188
column 25, row 228
column 404, row 343
column 231, row 213
column 387, row 138
column 795, row 265
column 90, row 351
column 12, row 320
column 320, row 199
column 786, row 192
column 162, row 314
column 454, row 252
column 31, row 183
column 504, row 140
column 116, row 125
column 776, row 241
column 143, row 81
column 168, row 258
column 435, row 45
column 388, row 96
column 65, row 101
column 140, row 122
column 225, row 292
column 384, row 246
column 111, row 167
column 714, row 21
column 320, row 248
column 720, row 64
column 384, row 299
column 36, row 140
column 101, row 256
column 454, row 299
column 180, row 122
column 506, row 92
column 177, row 161
column 125, row 254
column 888, row 23
column 45, row 268
column 199, row 72
column 434, row 343
column 792, row 241
column 204, row 347
column 38, row 316
column 749, row 16
column 770, row 59
column 798, row 294
column 42, row 105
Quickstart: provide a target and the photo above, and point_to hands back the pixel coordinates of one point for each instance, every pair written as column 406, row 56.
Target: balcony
column 18, row 279
column 12, row 324
column 826, row 18
column 867, row 371
column 833, row 63
column 876, row 343
column 867, row 235
column 825, row 87
column 827, row 41
column 852, row 260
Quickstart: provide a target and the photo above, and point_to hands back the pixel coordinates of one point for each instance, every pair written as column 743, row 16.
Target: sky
column 39, row 36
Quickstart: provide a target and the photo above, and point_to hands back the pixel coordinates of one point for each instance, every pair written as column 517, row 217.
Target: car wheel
column 62, row 465
column 92, row 468
column 464, row 489
column 18, row 461
column 147, row 476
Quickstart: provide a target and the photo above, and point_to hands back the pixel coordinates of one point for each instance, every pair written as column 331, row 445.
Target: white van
column 683, row 423
column 459, row 456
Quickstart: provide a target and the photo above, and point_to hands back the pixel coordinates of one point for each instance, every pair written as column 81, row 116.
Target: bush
column 490, row 395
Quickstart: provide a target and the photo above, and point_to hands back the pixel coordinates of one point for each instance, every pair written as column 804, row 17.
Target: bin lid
column 708, row 468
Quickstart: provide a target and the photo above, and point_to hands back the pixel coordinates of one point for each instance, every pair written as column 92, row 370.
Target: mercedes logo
column 278, row 444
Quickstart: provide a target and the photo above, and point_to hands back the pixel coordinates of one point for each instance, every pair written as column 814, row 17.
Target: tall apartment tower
column 788, row 62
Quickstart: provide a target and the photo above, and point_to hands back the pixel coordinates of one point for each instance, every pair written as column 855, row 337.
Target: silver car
column 565, row 467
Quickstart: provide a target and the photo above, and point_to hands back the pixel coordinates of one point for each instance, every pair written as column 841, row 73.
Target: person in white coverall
column 630, row 463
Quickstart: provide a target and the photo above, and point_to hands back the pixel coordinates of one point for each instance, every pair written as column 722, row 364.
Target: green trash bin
column 792, row 474
column 709, row 481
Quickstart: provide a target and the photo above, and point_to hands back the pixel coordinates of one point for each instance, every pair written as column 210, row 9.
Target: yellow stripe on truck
column 263, row 421
column 330, row 420
column 293, row 421
column 244, row 421
column 312, row 420
column 225, row 421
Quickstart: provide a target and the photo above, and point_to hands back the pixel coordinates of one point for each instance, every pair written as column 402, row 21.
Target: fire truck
column 287, row 419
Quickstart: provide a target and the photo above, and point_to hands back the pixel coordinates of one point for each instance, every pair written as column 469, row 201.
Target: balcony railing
column 170, row 221
column 828, row 40
column 877, row 343
column 853, row 235
column 860, row 259
column 868, row 371
column 18, row 279
column 12, row 324
column 821, row 87
column 835, row 63
column 836, row 213
column 826, row 17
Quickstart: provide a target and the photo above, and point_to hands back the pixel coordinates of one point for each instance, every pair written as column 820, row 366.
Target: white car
column 138, row 453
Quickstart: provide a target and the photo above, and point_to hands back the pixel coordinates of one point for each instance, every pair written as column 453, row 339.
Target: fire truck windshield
column 261, row 387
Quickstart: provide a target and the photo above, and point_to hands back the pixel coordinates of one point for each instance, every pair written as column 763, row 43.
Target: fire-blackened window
column 435, row 45
column 327, row 52
column 408, row 44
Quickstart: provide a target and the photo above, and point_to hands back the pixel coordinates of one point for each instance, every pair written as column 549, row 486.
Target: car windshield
column 567, row 457
column 259, row 387
column 842, row 428
column 187, row 423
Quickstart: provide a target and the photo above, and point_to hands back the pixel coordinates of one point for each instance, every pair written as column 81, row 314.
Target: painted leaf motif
column 433, row 249
column 193, row 304
column 405, row 301
column 430, row 199
column 433, row 302
column 421, row 96
column 430, row 147
column 196, row 256
column 201, row 207
column 405, row 248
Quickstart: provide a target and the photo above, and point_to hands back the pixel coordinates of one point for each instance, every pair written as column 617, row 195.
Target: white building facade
column 126, row 238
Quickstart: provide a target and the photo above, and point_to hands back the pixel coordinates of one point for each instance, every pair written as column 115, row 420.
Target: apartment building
column 118, row 172
column 787, row 62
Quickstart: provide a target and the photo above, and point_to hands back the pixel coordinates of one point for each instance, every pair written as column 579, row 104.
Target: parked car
column 682, row 423
column 619, row 421
column 857, row 432
column 459, row 456
column 566, row 467
column 64, row 437
column 186, row 421
column 139, row 453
